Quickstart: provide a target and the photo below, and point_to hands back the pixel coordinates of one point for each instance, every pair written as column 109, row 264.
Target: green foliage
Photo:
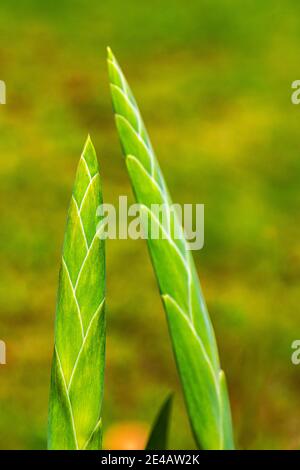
column 158, row 439
column 190, row 328
column 215, row 85
column 79, row 351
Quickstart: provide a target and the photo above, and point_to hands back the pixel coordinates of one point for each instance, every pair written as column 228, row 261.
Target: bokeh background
column 213, row 80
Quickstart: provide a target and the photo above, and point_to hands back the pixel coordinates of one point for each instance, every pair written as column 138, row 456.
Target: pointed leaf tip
column 90, row 157
column 158, row 439
column 110, row 55
column 88, row 145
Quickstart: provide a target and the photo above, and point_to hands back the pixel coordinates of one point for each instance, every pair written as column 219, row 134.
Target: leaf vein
column 81, row 223
column 84, row 341
column 74, row 295
column 68, row 397
column 87, row 190
column 211, row 368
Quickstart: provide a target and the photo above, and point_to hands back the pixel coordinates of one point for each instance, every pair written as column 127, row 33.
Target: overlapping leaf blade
column 158, row 439
column 79, row 351
column 189, row 324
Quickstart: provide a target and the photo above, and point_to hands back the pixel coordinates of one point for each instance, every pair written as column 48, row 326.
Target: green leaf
column 190, row 328
column 158, row 439
column 79, row 351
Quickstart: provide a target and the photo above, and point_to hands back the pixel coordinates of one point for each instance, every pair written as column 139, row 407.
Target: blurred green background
column 213, row 80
